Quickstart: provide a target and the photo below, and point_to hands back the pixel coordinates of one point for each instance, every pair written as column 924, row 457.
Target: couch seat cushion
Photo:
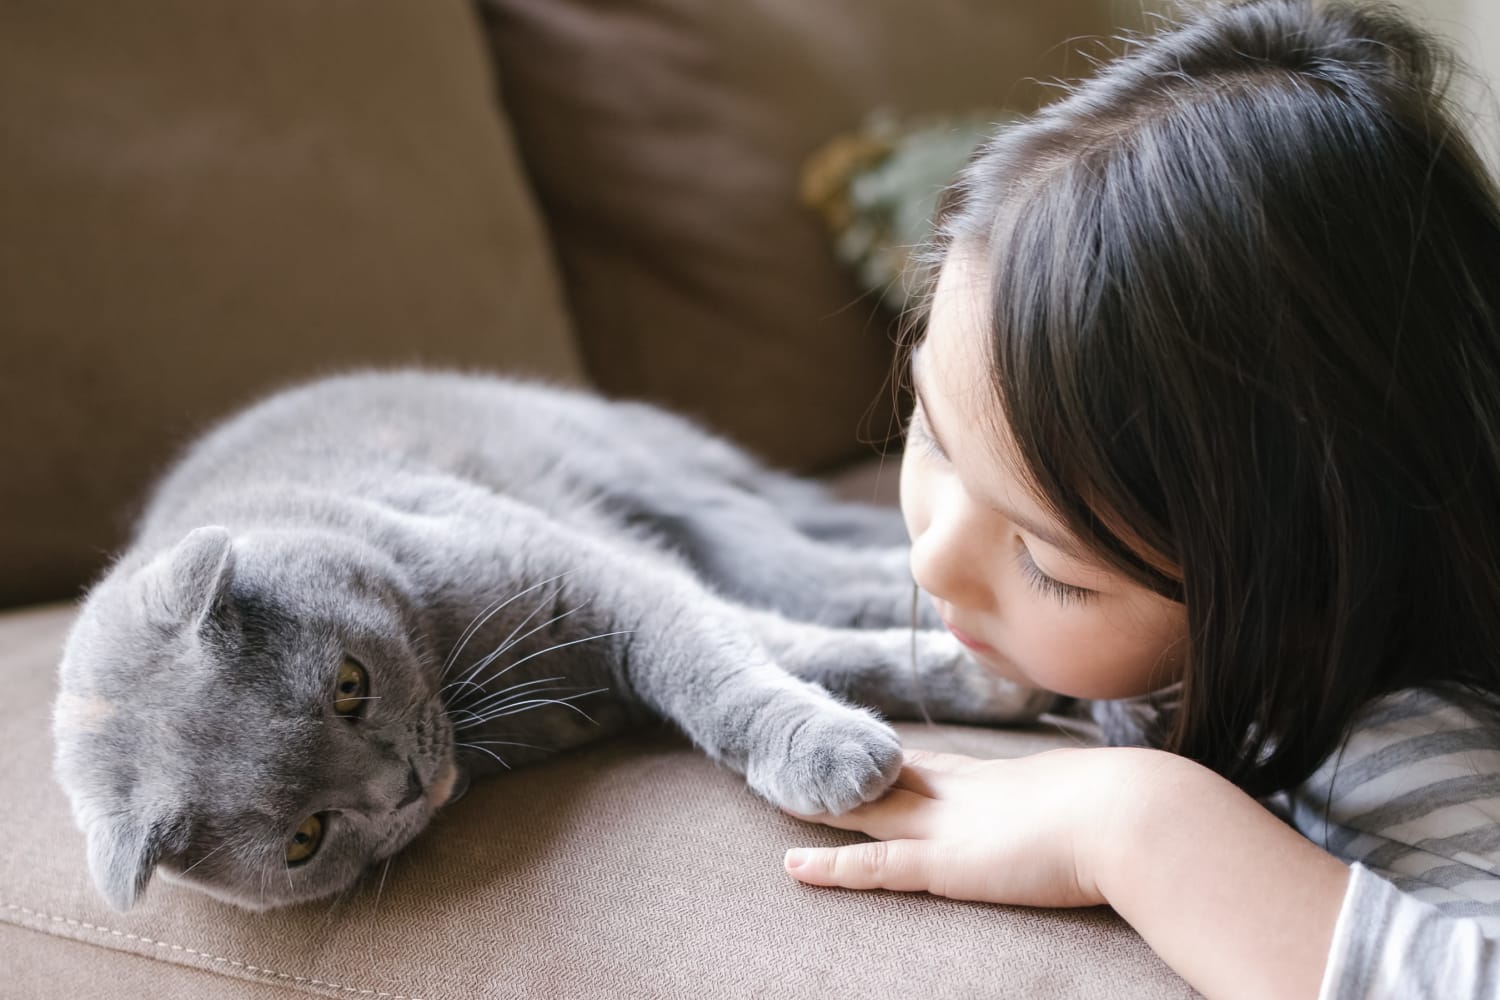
column 634, row 868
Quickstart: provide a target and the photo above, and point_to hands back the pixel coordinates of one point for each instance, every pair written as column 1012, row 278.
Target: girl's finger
column 898, row 814
column 937, row 762
column 914, row 780
column 924, row 771
column 901, row 865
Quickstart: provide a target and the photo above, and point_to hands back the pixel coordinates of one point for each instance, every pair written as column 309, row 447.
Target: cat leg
column 814, row 510
column 650, row 632
column 755, row 558
column 902, row 673
column 750, row 553
column 690, row 456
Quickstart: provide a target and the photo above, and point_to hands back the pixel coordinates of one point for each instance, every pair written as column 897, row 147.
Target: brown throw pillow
column 665, row 140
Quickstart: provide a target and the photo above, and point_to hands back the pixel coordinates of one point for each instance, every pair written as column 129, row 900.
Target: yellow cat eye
column 304, row 843
column 351, row 690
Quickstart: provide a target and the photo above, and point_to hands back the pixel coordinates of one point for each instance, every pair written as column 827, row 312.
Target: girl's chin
column 1007, row 669
column 998, row 665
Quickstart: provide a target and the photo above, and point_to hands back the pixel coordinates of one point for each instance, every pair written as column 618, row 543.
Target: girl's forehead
column 961, row 297
column 954, row 356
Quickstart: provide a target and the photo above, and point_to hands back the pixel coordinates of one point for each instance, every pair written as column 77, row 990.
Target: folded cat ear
column 185, row 583
column 122, row 857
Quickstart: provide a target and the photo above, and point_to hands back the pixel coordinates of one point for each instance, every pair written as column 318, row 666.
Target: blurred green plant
column 877, row 189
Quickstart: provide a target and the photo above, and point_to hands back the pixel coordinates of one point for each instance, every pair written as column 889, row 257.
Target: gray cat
column 347, row 600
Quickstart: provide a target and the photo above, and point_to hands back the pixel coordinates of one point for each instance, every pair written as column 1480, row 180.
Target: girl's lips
column 969, row 640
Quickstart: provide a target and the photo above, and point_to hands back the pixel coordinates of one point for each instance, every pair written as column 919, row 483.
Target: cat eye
column 351, row 689
column 304, row 843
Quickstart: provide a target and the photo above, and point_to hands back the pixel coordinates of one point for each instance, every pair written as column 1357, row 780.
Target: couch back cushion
column 202, row 199
column 665, row 139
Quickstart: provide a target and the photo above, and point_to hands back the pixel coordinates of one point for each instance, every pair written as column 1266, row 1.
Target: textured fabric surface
column 203, row 198
column 667, row 158
column 40, row 964
column 632, row 869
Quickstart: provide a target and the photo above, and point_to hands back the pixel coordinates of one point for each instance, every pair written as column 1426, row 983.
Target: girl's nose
column 946, row 562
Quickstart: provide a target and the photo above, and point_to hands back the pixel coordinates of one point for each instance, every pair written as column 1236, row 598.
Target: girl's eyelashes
column 918, row 433
column 1063, row 593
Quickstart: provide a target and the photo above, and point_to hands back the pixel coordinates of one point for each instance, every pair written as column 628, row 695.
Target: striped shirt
column 1412, row 801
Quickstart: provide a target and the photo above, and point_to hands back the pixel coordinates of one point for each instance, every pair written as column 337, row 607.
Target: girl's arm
column 1235, row 901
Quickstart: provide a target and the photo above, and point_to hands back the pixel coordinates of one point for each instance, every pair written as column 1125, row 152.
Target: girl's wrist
column 1135, row 789
column 1209, row 878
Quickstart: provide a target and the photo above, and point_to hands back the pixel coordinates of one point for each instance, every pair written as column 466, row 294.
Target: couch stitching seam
column 126, row 935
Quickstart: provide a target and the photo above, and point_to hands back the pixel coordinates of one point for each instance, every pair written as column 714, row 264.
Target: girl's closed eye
column 1063, row 593
column 919, row 434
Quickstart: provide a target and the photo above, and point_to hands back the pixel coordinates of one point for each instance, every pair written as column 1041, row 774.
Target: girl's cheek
column 1060, row 654
column 913, row 505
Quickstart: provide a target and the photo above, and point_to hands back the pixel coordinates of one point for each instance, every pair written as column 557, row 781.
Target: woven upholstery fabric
column 205, row 198
column 40, row 964
column 666, row 139
column 634, row 868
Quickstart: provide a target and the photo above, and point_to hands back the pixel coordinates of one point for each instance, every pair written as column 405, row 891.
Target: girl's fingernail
column 796, row 858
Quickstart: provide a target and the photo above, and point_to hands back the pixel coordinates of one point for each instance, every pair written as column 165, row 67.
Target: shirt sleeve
column 1389, row 945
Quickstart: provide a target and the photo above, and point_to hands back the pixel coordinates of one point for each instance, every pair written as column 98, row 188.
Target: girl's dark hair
column 1245, row 289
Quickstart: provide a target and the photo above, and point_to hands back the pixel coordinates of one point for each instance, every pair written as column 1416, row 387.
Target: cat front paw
column 829, row 761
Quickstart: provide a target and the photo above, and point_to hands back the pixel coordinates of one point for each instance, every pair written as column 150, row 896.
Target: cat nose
column 414, row 789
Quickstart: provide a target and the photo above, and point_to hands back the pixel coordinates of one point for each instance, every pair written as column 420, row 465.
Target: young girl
column 1209, row 412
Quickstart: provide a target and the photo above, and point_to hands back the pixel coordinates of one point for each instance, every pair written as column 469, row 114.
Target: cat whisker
column 205, row 857
column 480, row 716
column 484, row 616
column 512, row 687
column 501, row 743
column 509, row 642
column 455, row 713
column 459, row 706
column 522, row 623
column 562, row 645
column 380, row 889
column 489, row 704
column 375, row 909
column 519, row 625
column 337, row 901
column 527, row 706
column 475, row 746
column 474, row 626
column 457, row 684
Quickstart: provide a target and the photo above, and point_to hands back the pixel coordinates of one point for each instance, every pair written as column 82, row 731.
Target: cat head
column 253, row 715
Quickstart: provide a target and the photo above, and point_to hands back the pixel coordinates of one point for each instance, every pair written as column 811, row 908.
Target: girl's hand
column 1027, row 830
column 1234, row 900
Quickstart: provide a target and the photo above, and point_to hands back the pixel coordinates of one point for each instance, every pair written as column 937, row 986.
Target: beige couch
column 200, row 199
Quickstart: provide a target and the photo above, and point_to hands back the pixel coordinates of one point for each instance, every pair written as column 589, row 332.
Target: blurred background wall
column 1473, row 28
